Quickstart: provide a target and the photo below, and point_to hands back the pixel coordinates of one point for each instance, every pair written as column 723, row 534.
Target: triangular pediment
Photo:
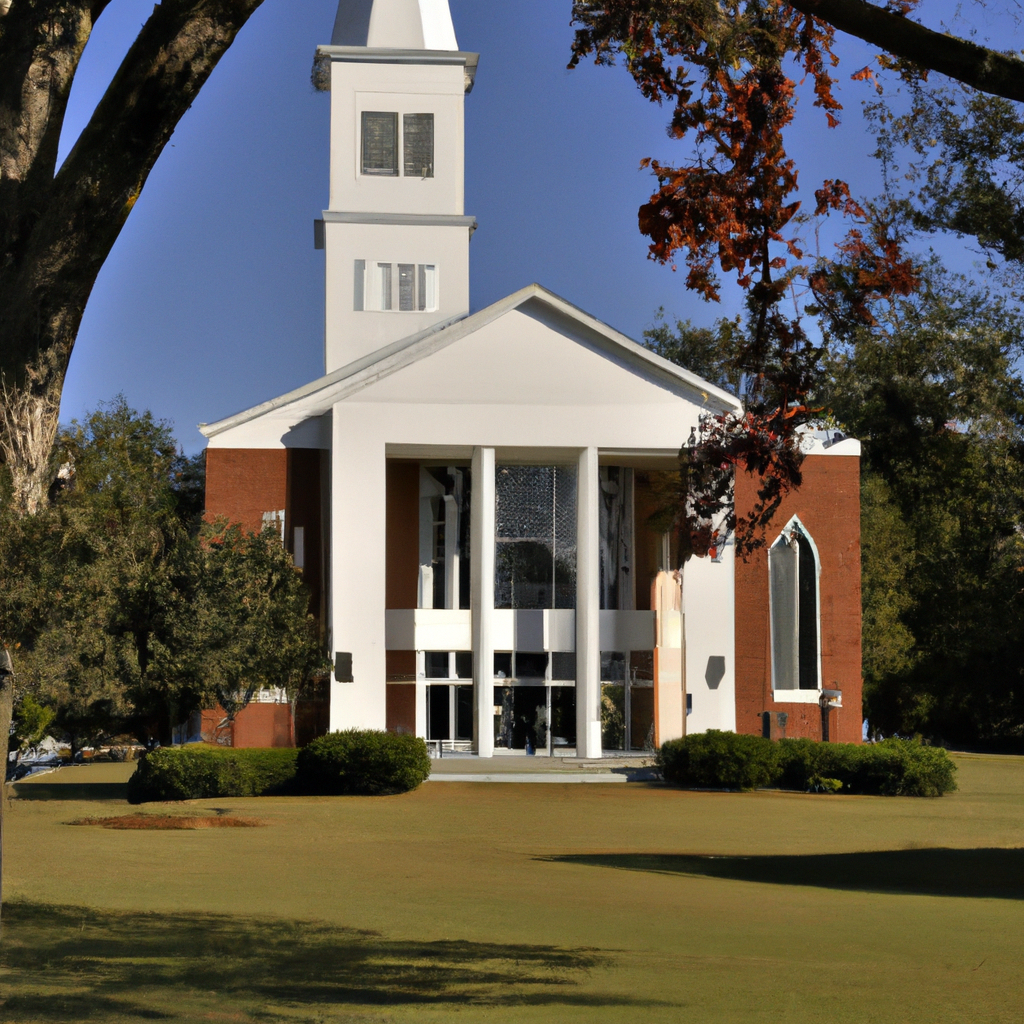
column 531, row 348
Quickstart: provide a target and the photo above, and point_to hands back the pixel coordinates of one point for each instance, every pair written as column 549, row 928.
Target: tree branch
column 102, row 177
column 976, row 66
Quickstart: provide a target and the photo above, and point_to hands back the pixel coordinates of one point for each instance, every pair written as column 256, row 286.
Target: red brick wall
column 243, row 483
column 401, row 708
column 402, row 545
column 256, row 725
column 828, row 505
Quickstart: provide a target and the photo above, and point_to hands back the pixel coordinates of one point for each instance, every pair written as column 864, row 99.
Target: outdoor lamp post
column 829, row 699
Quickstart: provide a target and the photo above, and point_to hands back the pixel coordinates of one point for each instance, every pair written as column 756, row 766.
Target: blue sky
column 212, row 299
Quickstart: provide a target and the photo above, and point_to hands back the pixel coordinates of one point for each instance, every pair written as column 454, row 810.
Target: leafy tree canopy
column 729, row 72
column 128, row 612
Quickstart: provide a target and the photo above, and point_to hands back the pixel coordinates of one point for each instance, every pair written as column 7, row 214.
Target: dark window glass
column 436, row 664
column 380, row 142
column 613, row 667
column 502, row 664
column 463, row 712
column 406, row 287
column 439, row 711
column 808, row 615
column 464, row 664
column 530, row 665
column 563, row 665
column 419, row 145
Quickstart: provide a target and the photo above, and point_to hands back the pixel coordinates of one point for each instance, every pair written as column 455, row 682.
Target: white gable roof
column 531, row 343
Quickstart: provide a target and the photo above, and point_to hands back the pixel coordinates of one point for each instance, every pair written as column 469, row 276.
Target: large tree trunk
column 58, row 226
column 28, row 426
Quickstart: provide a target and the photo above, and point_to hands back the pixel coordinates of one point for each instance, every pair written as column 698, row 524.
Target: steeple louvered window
column 418, row 137
column 401, row 287
column 382, row 145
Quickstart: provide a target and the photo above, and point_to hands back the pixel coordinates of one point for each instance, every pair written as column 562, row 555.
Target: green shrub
column 196, row 772
column 362, row 762
column 717, row 760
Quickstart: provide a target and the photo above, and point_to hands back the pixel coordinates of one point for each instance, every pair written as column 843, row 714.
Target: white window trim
column 795, row 696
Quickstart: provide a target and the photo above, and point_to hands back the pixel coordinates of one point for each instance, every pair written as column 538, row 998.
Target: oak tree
column 729, row 70
column 58, row 224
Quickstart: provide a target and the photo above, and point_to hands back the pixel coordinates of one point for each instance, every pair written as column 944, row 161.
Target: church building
column 471, row 495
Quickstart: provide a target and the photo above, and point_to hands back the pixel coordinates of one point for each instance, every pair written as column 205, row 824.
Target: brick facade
column 828, row 505
column 241, row 485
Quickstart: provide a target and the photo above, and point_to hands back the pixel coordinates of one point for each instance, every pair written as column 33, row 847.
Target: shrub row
column 362, row 763
column 197, row 772
column 725, row 760
column 352, row 762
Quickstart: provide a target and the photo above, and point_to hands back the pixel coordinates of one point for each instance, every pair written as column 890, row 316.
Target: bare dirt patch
column 166, row 822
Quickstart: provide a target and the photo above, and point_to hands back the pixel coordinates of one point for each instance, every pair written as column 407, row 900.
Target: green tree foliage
column 932, row 388
column 954, row 161
column 128, row 613
column 709, row 352
column 31, row 724
column 933, row 391
column 251, row 624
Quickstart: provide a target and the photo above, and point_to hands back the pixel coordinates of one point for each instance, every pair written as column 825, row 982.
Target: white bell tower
column 396, row 234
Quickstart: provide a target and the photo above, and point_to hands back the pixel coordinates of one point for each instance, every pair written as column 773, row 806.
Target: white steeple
column 395, row 25
column 395, row 231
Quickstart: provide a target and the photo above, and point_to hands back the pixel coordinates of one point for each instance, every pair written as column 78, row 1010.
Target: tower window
column 380, row 143
column 418, row 138
column 405, row 287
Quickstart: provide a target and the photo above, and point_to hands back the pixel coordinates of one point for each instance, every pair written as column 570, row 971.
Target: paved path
column 470, row 768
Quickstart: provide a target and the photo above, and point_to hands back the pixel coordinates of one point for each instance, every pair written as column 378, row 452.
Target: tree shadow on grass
column 62, row 964
column 980, row 873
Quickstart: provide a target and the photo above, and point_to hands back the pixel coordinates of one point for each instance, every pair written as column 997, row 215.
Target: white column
column 588, row 607
column 358, row 513
column 421, row 695
column 481, row 543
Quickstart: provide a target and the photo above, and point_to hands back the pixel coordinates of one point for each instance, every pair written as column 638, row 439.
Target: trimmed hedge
column 725, row 760
column 197, row 772
column 362, row 762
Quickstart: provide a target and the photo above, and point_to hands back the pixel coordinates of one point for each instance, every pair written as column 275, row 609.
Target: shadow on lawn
column 62, row 964
column 992, row 873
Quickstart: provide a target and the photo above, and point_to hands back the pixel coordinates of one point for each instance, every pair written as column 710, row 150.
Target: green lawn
column 525, row 903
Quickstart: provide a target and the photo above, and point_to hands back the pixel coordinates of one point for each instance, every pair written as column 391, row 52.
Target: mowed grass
column 528, row 903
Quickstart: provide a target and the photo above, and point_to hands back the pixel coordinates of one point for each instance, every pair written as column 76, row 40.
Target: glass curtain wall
column 627, row 677
column 535, row 537
column 535, row 568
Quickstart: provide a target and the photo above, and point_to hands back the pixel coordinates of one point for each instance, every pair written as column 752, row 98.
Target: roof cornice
column 389, row 55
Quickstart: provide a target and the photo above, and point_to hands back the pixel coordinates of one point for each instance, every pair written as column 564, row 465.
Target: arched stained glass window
column 793, row 570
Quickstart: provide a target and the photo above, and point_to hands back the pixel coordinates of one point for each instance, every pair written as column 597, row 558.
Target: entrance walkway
column 524, row 768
